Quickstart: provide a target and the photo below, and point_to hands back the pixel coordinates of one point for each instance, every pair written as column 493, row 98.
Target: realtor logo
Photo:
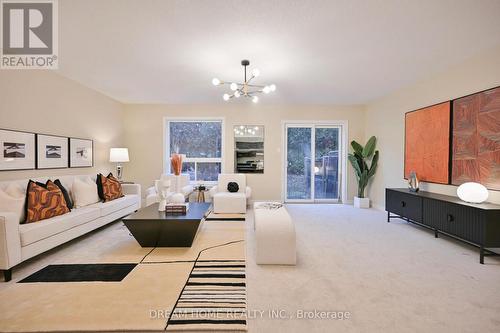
column 29, row 34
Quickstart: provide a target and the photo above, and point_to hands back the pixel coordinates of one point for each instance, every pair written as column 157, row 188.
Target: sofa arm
column 187, row 190
column 248, row 192
column 213, row 191
column 131, row 189
column 10, row 241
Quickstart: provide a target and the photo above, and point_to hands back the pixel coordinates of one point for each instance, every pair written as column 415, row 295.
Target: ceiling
column 316, row 52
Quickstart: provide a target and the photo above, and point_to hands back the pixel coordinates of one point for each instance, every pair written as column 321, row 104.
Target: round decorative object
column 472, row 192
column 232, row 187
column 177, row 198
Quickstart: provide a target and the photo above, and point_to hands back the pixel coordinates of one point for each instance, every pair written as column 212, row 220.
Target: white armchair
column 178, row 185
column 230, row 202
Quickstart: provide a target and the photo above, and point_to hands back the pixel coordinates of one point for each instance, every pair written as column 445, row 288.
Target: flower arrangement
column 176, row 164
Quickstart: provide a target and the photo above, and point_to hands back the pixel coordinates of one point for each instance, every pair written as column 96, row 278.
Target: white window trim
column 166, row 146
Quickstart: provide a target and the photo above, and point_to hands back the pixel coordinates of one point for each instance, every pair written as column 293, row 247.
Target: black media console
column 477, row 224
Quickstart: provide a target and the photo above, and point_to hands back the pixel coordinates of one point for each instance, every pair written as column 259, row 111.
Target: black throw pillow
column 65, row 193
column 100, row 191
column 232, row 187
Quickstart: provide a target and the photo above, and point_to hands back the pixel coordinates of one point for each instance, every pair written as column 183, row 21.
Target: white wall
column 385, row 117
column 45, row 102
column 144, row 134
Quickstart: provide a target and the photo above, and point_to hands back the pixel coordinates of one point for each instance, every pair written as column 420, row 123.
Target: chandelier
column 247, row 88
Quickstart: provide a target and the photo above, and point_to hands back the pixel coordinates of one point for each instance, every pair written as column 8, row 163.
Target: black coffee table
column 153, row 228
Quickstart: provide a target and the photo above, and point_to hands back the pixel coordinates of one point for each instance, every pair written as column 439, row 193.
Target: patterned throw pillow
column 44, row 201
column 109, row 187
column 233, row 187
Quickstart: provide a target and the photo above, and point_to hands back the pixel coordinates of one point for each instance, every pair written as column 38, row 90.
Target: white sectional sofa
column 19, row 242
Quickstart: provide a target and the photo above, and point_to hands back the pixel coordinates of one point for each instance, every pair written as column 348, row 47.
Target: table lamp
column 118, row 155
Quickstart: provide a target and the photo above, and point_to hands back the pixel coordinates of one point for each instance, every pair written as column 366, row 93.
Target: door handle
column 450, row 218
column 403, row 204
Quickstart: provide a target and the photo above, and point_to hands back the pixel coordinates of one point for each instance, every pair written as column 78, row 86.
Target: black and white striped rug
column 214, row 298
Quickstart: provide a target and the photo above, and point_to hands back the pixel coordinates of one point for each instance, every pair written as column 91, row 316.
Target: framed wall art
column 18, row 150
column 427, row 143
column 81, row 153
column 52, row 152
column 476, row 139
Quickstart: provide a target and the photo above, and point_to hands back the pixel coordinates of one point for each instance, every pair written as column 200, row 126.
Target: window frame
column 166, row 145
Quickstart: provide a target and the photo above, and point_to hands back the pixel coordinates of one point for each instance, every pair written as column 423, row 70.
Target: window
column 201, row 142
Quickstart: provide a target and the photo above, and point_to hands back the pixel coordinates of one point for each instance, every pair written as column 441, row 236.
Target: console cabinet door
column 404, row 204
column 464, row 222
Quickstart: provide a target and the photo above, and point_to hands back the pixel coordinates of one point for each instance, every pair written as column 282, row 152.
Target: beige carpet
column 391, row 277
column 138, row 303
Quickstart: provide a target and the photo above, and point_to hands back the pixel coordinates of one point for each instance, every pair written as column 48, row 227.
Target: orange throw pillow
column 44, row 202
column 109, row 187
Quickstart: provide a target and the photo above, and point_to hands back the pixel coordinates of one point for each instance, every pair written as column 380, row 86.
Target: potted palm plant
column 360, row 158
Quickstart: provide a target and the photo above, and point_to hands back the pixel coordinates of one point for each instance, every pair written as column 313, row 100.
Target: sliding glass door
column 298, row 161
column 312, row 166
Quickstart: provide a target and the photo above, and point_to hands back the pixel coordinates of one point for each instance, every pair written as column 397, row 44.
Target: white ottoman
column 274, row 235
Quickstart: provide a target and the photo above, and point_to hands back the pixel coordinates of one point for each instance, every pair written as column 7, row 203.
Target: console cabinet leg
column 7, row 275
column 481, row 255
column 388, row 216
column 436, row 235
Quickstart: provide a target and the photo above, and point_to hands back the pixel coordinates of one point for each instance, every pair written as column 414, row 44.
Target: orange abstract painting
column 427, row 143
column 476, row 139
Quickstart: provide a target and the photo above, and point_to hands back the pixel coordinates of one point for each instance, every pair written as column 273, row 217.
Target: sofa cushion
column 33, row 232
column 226, row 178
column 12, row 200
column 228, row 195
column 109, row 188
column 117, row 204
column 44, row 201
column 225, row 202
column 84, row 192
